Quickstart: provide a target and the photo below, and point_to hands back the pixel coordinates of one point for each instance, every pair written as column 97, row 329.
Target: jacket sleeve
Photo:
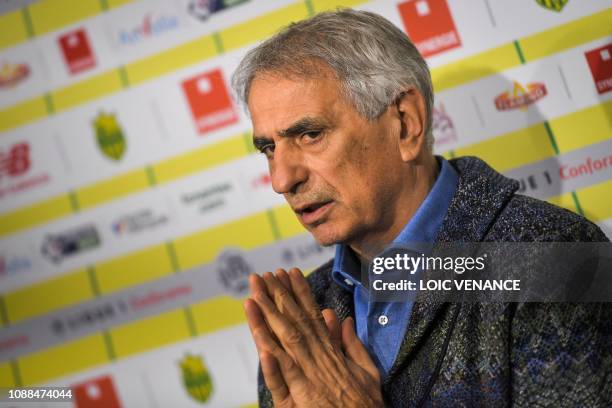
column 561, row 353
column 263, row 393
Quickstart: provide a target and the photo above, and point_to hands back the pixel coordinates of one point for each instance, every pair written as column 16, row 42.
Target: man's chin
column 326, row 236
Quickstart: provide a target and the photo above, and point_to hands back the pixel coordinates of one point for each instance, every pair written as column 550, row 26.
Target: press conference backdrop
column 132, row 204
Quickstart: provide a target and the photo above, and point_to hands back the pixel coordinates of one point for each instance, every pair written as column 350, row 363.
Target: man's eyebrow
column 302, row 125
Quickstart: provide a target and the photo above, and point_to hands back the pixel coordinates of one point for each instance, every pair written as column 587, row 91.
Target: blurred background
column 132, row 204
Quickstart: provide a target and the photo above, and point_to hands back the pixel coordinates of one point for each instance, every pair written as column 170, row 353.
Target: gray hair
column 372, row 58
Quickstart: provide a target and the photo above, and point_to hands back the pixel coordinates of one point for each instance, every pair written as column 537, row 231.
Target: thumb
column 355, row 350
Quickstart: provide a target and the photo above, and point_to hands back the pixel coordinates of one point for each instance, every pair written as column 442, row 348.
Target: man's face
column 337, row 170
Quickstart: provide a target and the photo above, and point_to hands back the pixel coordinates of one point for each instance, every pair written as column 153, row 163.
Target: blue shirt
column 383, row 341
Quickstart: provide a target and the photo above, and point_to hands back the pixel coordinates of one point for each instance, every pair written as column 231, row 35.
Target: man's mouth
column 312, row 213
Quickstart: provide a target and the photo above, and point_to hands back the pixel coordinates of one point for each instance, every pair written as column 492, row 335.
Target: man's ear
column 412, row 112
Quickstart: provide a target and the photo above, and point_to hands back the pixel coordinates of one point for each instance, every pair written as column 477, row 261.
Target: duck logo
column 109, row 136
column 520, row 97
column 555, row 5
column 196, row 377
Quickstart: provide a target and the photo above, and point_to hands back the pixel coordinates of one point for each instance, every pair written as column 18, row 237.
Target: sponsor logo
column 233, row 271
column 209, row 198
column 109, row 136
column 533, row 182
column 196, row 378
column 555, row 5
column 90, row 316
column 202, row 9
column 263, row 180
column 587, row 167
column 520, row 97
column 443, row 128
column 13, row 264
column 600, row 64
column 77, row 51
column 209, row 101
column 429, row 25
column 14, row 170
column 96, row 393
column 138, row 221
column 56, row 247
column 13, row 342
column 156, row 297
column 12, row 74
column 302, row 253
column 151, row 26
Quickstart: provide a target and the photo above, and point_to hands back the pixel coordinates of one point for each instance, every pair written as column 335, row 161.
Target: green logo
column 109, row 136
column 556, row 5
column 196, row 378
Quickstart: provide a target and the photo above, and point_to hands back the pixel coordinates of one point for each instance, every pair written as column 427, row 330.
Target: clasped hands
column 308, row 358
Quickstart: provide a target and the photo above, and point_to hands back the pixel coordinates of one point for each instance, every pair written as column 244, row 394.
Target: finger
column 274, row 379
column 291, row 338
column 283, row 277
column 355, row 350
column 303, row 295
column 333, row 325
column 286, row 303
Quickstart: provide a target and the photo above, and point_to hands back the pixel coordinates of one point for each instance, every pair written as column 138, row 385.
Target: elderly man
column 341, row 106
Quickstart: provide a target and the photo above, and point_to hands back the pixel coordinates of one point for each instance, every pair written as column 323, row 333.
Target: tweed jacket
column 501, row 354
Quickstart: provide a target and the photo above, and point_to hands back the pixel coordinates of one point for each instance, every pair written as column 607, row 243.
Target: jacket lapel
column 481, row 195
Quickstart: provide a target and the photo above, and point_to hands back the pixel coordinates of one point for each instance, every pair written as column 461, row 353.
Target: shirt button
column 348, row 282
column 383, row 320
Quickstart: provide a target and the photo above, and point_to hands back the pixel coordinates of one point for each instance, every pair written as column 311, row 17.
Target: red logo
column 77, row 51
column 16, row 162
column 430, row 25
column 209, row 101
column 519, row 97
column 263, row 180
column 11, row 75
column 97, row 393
column 600, row 63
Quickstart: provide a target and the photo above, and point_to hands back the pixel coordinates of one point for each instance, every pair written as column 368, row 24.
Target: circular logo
column 233, row 271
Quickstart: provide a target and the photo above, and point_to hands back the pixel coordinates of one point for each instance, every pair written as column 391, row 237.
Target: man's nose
column 287, row 170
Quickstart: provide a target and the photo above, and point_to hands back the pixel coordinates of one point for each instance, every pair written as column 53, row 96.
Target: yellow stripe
column 133, row 269
column 202, row 247
column 198, row 160
column 48, row 15
column 35, row 214
column 48, row 296
column 13, row 30
column 583, row 127
column 595, row 201
column 93, row 88
column 6, row 376
column 112, row 188
column 475, row 67
column 512, row 149
column 63, row 359
column 262, row 27
column 564, row 201
column 22, row 113
column 149, row 333
column 323, row 5
column 117, row 3
column 184, row 55
column 567, row 36
column 217, row 313
column 287, row 222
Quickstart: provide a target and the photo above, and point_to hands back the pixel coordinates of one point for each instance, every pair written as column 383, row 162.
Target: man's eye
column 267, row 149
column 312, row 135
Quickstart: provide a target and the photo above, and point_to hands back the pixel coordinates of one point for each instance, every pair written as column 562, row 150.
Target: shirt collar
column 422, row 227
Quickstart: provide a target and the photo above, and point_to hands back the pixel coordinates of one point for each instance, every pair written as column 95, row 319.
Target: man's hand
column 307, row 357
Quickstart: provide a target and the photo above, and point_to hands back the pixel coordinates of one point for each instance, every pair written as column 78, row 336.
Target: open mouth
column 313, row 212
